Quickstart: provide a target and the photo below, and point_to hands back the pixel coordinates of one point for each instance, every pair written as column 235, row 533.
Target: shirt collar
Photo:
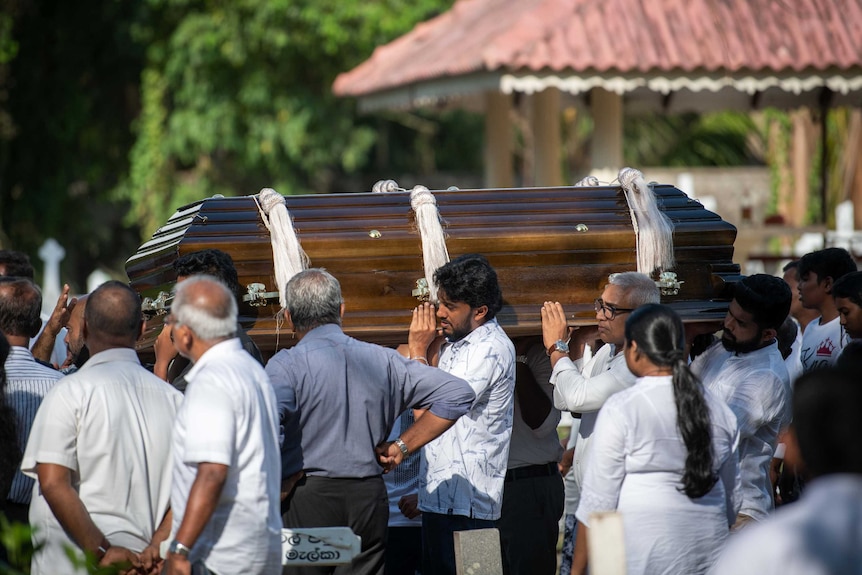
column 322, row 332
column 20, row 352
column 221, row 348
column 474, row 335
column 765, row 350
column 126, row 354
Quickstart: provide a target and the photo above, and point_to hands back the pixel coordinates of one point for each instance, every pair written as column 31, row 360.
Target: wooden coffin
column 556, row 244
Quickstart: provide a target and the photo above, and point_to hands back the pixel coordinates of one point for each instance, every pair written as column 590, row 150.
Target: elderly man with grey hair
column 227, row 473
column 584, row 387
column 339, row 398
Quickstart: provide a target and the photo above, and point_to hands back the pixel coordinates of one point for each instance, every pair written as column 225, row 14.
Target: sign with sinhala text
column 319, row 546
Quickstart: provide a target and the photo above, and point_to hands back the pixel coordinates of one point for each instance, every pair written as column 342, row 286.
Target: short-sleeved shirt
column 229, row 417
column 110, row 423
column 756, row 387
column 822, row 343
column 463, row 470
column 338, row 398
column 27, row 383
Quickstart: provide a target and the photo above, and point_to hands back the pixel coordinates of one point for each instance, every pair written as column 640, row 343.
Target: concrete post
column 607, row 145
column 546, row 133
column 498, row 140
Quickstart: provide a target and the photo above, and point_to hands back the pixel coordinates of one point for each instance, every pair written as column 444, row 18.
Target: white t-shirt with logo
column 822, row 344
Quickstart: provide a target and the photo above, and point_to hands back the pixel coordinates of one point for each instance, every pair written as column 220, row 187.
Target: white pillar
column 545, row 117
column 498, row 140
column 51, row 253
column 607, row 145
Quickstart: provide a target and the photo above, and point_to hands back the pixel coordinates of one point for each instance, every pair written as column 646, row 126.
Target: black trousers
column 403, row 550
column 529, row 524
column 360, row 504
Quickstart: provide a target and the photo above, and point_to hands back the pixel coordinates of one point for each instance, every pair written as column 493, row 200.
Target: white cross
column 51, row 253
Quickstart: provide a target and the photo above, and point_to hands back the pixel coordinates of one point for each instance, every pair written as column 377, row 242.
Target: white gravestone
column 51, row 253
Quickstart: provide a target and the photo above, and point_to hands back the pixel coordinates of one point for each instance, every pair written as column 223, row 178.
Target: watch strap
column 402, row 446
column 179, row 548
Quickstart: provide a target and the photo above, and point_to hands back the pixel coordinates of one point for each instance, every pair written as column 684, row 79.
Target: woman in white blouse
column 663, row 455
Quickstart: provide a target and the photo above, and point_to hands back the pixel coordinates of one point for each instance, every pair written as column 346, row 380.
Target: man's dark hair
column 114, row 311
column 849, row 286
column 20, row 306
column 211, row 262
column 793, row 265
column 829, row 263
column 767, row 298
column 472, row 280
column 17, row 264
column 786, row 337
column 827, row 406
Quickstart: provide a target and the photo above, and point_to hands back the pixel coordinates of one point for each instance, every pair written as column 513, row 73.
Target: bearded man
column 747, row 371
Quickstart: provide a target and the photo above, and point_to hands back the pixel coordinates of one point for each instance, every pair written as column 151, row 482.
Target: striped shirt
column 27, row 382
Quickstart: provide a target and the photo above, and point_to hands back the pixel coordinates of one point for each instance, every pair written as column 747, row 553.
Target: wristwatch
column 561, row 346
column 179, row 549
column 402, row 446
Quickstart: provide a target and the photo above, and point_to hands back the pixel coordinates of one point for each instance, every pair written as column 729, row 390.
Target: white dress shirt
column 230, row 417
column 110, row 423
column 756, row 387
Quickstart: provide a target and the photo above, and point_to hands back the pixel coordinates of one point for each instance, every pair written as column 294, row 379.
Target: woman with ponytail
column 664, row 455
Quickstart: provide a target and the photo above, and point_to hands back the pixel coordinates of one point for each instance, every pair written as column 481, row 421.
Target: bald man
column 227, row 462
column 100, row 448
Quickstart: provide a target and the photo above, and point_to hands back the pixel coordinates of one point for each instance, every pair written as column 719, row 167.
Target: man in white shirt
column 747, row 371
column 227, row 463
column 585, row 388
column 819, row 534
column 463, row 470
column 823, row 338
column 100, row 448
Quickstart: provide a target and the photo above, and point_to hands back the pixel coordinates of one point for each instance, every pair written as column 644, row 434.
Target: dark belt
column 542, row 470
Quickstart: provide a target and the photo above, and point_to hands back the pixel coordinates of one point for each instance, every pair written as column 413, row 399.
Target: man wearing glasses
column 583, row 387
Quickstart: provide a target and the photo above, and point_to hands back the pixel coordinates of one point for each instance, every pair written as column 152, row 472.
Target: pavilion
column 642, row 55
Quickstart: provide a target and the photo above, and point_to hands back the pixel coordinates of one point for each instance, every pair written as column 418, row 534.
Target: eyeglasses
column 171, row 319
column 610, row 311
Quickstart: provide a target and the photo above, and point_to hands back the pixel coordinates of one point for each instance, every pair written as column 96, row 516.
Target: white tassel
column 653, row 229
column 288, row 256
column 434, row 252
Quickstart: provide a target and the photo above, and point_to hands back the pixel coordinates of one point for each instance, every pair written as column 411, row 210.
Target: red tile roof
column 617, row 36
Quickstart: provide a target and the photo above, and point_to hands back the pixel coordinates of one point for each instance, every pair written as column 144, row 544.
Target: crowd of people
column 195, row 464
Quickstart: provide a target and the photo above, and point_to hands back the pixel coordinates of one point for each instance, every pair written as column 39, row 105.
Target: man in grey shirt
column 338, row 398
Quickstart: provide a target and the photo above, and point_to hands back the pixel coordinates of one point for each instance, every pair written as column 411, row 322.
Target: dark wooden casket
column 556, row 244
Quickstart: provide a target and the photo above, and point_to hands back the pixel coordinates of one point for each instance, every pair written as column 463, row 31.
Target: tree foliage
column 237, row 96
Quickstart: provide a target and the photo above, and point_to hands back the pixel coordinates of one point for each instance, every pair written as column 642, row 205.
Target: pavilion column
column 802, row 150
column 545, row 116
column 607, row 147
column 498, row 140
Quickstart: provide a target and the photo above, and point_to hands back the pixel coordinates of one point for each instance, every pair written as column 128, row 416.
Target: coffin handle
column 257, row 296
